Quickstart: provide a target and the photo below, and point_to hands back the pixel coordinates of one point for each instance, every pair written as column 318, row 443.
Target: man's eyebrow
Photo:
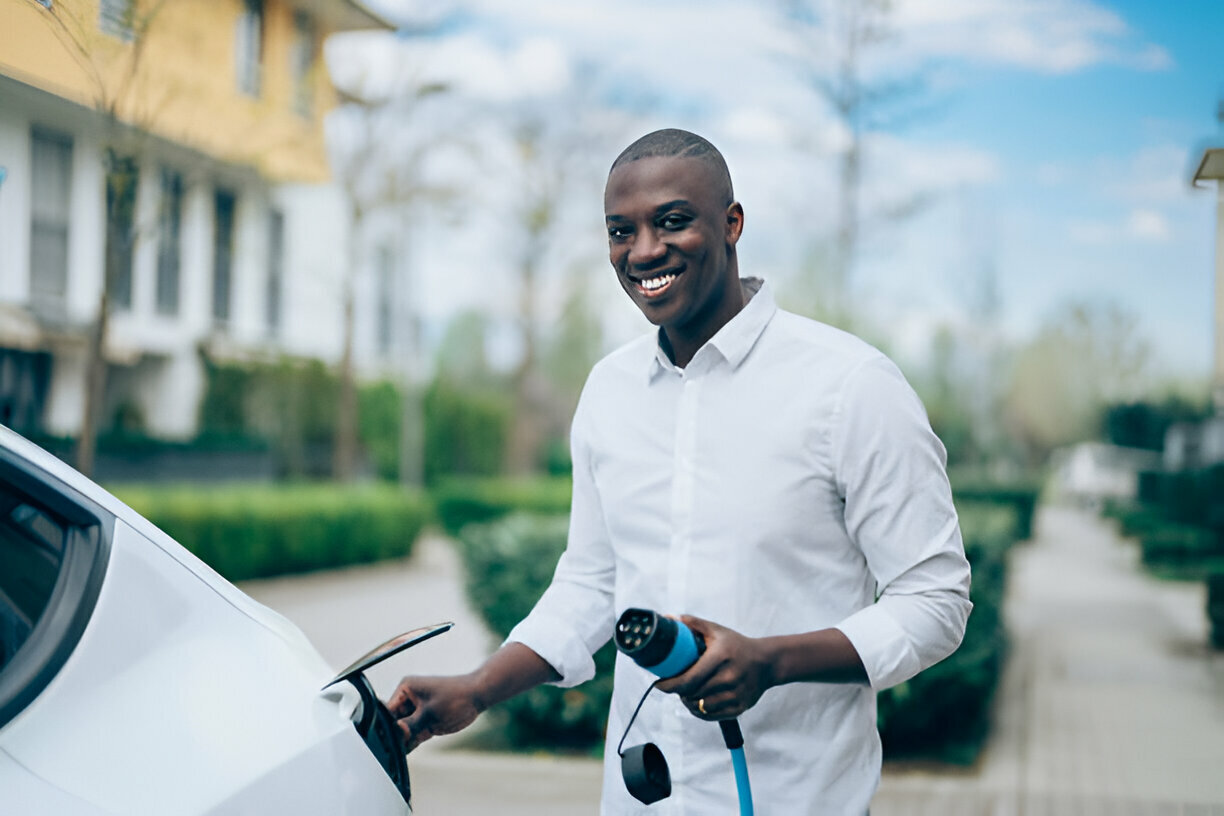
column 679, row 202
column 662, row 208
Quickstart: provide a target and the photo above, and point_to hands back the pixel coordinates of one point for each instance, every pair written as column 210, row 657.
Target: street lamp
column 1211, row 168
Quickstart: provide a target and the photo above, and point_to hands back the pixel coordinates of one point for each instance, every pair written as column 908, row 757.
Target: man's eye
column 674, row 221
column 618, row 232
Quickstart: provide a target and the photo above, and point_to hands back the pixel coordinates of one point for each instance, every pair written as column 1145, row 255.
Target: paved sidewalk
column 1111, row 704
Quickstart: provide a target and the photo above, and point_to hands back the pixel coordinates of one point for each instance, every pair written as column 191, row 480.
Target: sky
column 1048, row 143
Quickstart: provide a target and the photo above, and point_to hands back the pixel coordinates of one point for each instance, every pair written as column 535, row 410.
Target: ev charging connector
column 667, row 647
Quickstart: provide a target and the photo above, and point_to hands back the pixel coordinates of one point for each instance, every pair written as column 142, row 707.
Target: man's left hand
column 728, row 678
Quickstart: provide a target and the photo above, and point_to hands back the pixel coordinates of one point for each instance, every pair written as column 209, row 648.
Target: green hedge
column 255, row 531
column 460, row 502
column 1021, row 495
column 509, row 564
column 943, row 713
column 1176, row 521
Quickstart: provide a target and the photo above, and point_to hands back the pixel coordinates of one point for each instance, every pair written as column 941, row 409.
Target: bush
column 465, row 501
column 256, row 531
column 379, row 412
column 1178, row 549
column 465, row 430
column 1020, row 495
column 509, row 564
column 944, row 712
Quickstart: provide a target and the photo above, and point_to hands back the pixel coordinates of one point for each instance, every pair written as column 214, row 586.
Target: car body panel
column 185, row 696
column 26, row 793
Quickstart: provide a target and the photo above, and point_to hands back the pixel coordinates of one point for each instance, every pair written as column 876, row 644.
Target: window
column 276, row 268
column 50, row 192
column 249, row 46
column 223, row 255
column 115, row 17
column 122, row 181
column 24, row 380
column 386, row 291
column 302, row 61
column 54, row 547
column 169, row 243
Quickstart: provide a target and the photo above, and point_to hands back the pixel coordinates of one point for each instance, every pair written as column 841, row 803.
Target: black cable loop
column 620, row 745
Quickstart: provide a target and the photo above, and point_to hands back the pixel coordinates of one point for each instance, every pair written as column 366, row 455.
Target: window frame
column 43, row 223
column 303, row 57
column 115, row 17
column 87, row 548
column 224, row 242
column 172, row 200
column 249, row 46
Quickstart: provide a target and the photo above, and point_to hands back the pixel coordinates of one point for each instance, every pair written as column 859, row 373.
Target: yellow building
column 171, row 153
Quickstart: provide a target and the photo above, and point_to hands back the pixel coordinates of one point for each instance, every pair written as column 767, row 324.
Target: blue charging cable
column 667, row 647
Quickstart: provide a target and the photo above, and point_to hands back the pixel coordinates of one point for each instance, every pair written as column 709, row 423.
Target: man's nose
column 647, row 249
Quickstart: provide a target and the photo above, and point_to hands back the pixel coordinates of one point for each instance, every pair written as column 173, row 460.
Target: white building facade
column 223, row 262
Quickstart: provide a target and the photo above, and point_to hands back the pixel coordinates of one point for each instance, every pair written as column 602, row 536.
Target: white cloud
column 1050, row 36
column 1143, row 225
column 1148, row 225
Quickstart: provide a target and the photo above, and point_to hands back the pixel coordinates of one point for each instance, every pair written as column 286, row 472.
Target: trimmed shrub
column 465, row 430
column 509, row 565
column 460, row 502
column 1020, row 495
column 256, row 531
column 1171, row 549
column 944, row 712
column 1215, row 608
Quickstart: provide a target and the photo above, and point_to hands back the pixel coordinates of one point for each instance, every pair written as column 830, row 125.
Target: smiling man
column 772, row 480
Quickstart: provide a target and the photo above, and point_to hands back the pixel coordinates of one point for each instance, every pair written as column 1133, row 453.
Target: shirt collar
column 737, row 337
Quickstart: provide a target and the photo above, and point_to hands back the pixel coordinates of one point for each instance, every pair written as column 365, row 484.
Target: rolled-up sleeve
column 891, row 471
column 574, row 616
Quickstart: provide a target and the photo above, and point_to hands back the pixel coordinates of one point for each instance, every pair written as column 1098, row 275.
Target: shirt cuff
column 559, row 645
column 883, row 646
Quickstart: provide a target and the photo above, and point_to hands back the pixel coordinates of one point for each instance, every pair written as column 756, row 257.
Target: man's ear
column 735, row 223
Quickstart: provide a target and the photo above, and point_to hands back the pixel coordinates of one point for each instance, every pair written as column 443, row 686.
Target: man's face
column 671, row 232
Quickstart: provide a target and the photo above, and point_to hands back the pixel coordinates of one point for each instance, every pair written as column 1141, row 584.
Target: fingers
column 402, row 702
column 718, row 706
column 411, row 737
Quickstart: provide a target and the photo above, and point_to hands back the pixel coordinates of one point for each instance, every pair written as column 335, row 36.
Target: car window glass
column 31, row 552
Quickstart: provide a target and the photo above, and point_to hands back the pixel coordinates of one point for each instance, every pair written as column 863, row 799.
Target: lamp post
column 1211, row 168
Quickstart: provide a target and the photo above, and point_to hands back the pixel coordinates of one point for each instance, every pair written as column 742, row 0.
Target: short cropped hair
column 676, row 143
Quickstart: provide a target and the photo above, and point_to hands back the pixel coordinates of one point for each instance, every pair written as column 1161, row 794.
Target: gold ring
column 701, row 705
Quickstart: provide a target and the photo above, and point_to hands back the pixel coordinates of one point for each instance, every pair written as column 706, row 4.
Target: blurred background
column 314, row 283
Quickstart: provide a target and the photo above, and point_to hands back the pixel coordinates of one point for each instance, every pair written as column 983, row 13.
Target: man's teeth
column 657, row 283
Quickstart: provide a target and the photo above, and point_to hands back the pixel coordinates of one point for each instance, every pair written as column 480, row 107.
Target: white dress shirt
column 786, row 480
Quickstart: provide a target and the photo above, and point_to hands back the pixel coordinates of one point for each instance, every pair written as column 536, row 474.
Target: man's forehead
column 666, row 175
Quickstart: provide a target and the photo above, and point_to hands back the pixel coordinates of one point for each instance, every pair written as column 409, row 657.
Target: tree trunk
column 344, row 451
column 95, row 388
column 524, row 441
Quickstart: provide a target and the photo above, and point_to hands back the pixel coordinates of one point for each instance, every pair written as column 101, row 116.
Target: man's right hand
column 431, row 706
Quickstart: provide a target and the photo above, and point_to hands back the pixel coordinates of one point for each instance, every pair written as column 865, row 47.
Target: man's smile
column 655, row 285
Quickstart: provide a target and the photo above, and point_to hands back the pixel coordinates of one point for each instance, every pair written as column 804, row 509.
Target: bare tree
column 839, row 40
column 554, row 156
column 376, row 179
column 1085, row 356
column 115, row 70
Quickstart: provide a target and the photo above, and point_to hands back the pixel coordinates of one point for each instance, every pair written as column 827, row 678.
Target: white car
column 135, row 680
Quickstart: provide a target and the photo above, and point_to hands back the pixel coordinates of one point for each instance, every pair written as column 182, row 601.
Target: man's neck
column 681, row 347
